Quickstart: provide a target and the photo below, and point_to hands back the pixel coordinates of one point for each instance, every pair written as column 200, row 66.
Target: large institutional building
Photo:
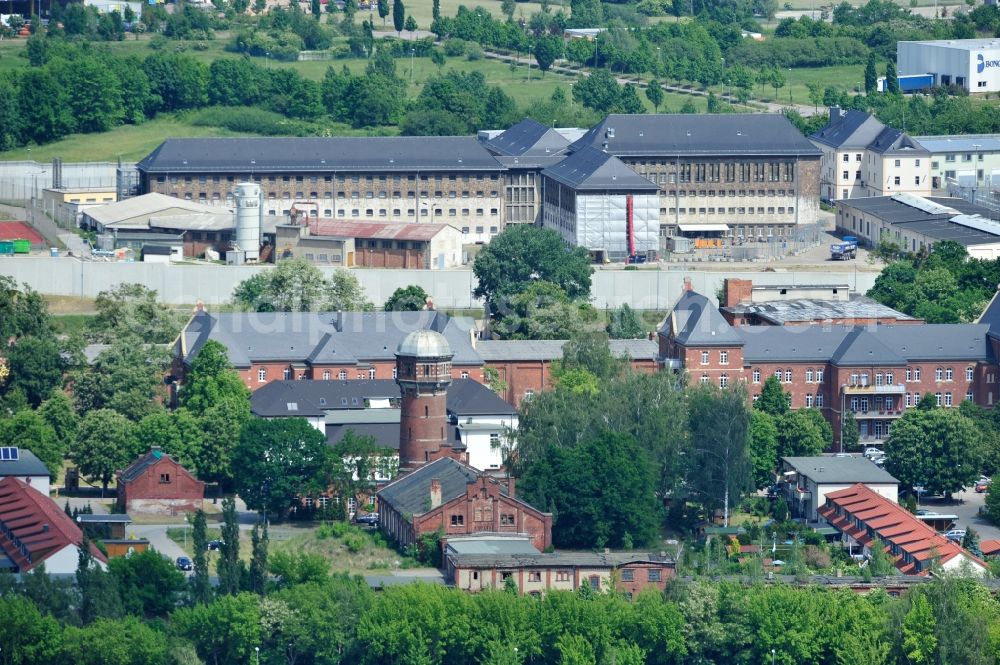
column 615, row 188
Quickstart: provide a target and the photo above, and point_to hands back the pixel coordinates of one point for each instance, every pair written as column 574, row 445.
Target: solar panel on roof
column 9, row 454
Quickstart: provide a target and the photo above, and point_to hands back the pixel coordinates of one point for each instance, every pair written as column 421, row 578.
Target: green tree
column 599, row 91
column 126, row 641
column 411, row 24
column 871, row 75
column 224, row 631
column 230, row 568
column 346, row 294
column 546, row 51
column 850, row 436
column 258, row 560
column 398, row 15
column 60, row 415
column 803, row 433
column 27, row 635
column 624, row 324
column 939, row 449
column 411, row 298
column 317, row 9
column 149, row 583
column 435, row 9
column 126, row 377
column 36, row 367
column 99, row 596
column 28, row 430
column 383, row 9
column 103, row 446
column 891, row 79
column 718, row 459
column 293, row 285
column 773, row 398
column 201, row 588
column 211, row 380
column 763, row 448
column 507, row 8
column 919, row 642
column 279, row 460
column 654, row 93
column 601, row 489
column 523, row 253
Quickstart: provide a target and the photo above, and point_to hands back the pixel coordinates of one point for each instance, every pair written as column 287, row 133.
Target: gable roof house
column 862, row 157
column 156, row 483
column 22, row 463
column 867, row 518
column 35, row 530
column 457, row 500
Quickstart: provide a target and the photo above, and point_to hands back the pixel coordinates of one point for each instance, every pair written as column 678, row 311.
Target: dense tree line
column 142, row 612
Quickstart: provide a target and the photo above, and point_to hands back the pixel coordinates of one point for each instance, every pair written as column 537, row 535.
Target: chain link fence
column 803, row 238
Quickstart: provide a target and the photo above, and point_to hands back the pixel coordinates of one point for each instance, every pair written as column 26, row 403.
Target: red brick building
column 874, row 371
column 156, row 483
column 347, row 346
column 457, row 500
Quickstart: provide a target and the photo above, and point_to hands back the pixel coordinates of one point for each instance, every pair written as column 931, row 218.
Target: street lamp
column 773, row 653
column 529, row 64
column 257, row 654
column 412, row 53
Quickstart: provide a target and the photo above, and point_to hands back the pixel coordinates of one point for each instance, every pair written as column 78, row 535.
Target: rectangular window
column 261, row 375
column 788, row 376
column 819, row 376
column 458, row 520
column 938, row 374
column 916, row 373
column 507, row 519
column 654, row 575
column 704, row 357
column 908, row 404
column 628, row 575
column 819, row 399
column 947, row 399
column 949, row 374
column 889, row 378
column 723, row 380
column 809, row 401
column 909, row 375
column 723, row 357
column 164, row 478
column 809, row 376
column 969, row 372
column 937, row 399
column 968, row 396
column 756, row 376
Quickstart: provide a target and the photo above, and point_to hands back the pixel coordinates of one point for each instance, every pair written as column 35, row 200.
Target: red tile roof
column 380, row 231
column 33, row 526
column 893, row 525
column 990, row 547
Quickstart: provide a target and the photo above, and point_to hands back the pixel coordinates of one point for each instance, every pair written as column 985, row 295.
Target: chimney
column 435, row 493
column 737, row 291
column 834, row 113
column 510, row 486
column 687, row 285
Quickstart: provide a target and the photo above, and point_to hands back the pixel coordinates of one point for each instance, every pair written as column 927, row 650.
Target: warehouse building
column 915, row 223
column 973, row 64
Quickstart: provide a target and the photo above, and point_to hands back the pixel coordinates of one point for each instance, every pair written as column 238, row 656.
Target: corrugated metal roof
column 380, row 231
column 147, row 205
column 960, row 143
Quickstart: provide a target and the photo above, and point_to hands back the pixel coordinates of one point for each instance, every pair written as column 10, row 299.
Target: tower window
column 427, row 412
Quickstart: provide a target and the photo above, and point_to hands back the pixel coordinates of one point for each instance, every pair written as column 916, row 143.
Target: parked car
column 955, row 535
column 213, row 545
column 872, row 451
column 926, row 513
column 982, row 485
column 184, row 563
column 367, row 520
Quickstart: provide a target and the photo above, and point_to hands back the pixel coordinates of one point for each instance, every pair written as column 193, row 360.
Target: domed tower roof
column 424, row 344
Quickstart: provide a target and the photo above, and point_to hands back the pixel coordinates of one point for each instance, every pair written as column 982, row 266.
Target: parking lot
column 966, row 506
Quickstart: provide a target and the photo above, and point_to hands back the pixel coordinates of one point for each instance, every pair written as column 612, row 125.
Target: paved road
column 926, row 12
column 770, row 107
column 966, row 505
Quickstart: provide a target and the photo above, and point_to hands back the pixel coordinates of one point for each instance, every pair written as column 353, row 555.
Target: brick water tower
column 423, row 372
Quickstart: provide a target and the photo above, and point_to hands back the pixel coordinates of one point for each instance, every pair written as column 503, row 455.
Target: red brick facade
column 155, row 483
column 527, row 377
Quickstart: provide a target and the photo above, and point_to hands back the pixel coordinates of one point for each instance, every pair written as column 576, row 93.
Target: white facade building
column 973, row 64
column 966, row 160
column 24, row 465
column 809, row 479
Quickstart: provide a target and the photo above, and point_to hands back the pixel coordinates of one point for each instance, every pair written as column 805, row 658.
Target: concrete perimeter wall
column 213, row 285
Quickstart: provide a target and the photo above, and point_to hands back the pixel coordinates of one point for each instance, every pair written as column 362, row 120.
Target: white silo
column 248, row 220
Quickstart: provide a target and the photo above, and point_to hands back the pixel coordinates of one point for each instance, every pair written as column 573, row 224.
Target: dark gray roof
column 849, row 129
column 26, row 464
column 889, row 345
column 529, row 162
column 116, row 518
column 160, row 250
column 466, row 397
column 893, row 141
column 322, row 337
column 411, row 493
column 934, row 224
column 860, row 348
column 321, row 154
column 527, row 137
column 551, row 349
column 145, row 461
column 991, row 316
column 850, row 470
column 592, row 169
column 693, row 135
column 557, row 559
column 385, row 434
column 695, row 321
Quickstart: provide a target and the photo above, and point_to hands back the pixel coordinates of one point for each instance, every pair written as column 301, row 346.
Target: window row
column 730, row 192
column 739, row 210
column 397, row 178
column 785, row 376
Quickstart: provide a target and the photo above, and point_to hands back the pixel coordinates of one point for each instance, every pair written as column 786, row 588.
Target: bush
column 473, row 51
column 250, row 120
column 454, row 48
column 355, row 542
column 332, row 530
